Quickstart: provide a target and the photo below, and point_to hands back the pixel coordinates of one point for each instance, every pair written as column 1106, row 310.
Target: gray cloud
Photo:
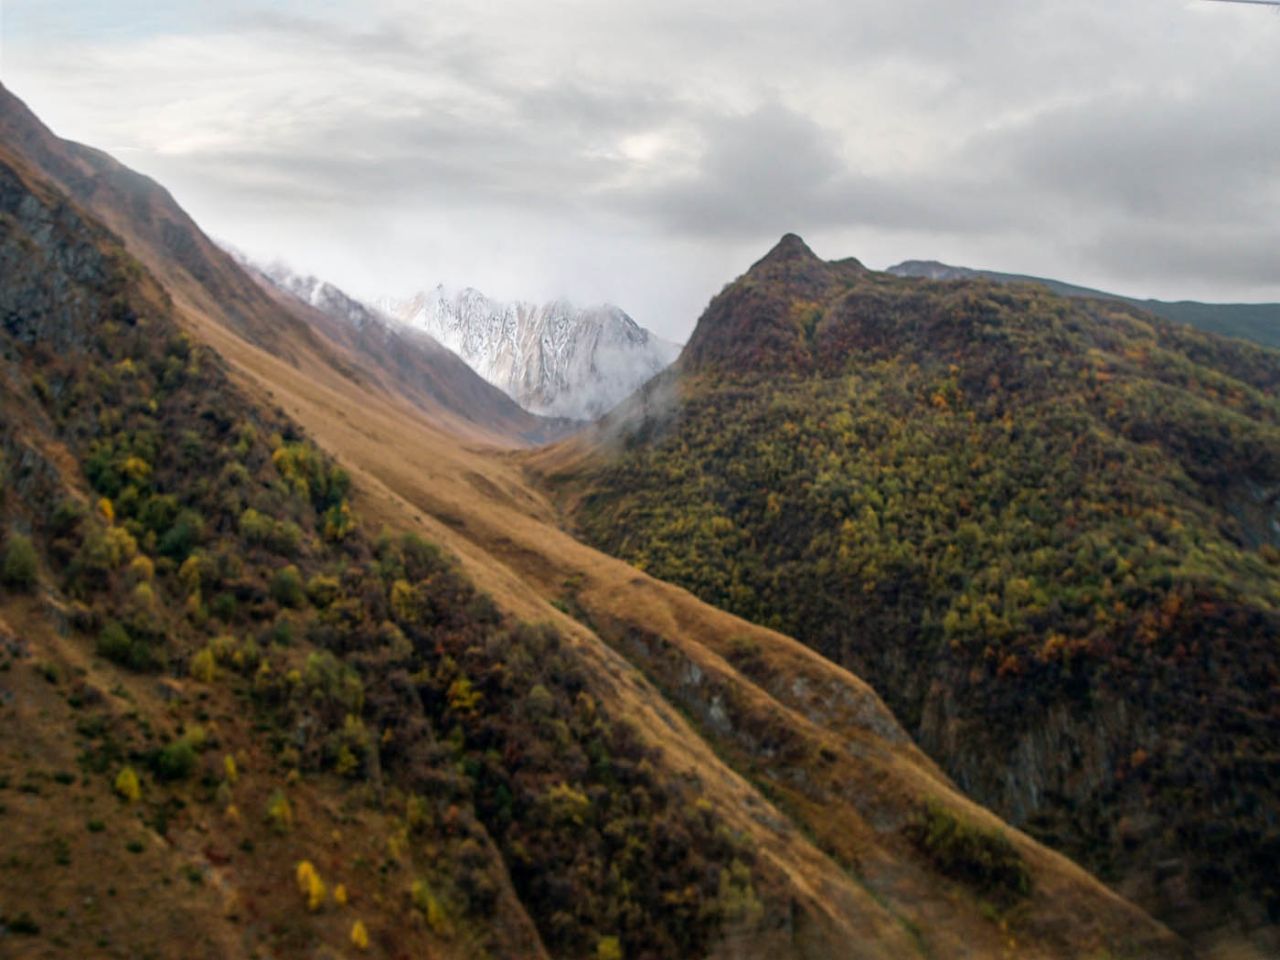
column 645, row 152
column 774, row 167
column 1207, row 158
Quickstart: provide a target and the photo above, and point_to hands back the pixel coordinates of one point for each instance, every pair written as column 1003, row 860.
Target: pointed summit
column 790, row 249
column 752, row 324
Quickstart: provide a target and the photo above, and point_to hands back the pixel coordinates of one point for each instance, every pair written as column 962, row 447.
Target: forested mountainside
column 248, row 710
column 1045, row 529
column 1259, row 322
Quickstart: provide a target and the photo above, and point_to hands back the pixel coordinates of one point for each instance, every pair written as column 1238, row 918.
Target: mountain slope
column 205, row 280
column 430, row 375
column 178, row 727
column 1259, row 322
column 478, row 786
column 554, row 359
column 1045, row 529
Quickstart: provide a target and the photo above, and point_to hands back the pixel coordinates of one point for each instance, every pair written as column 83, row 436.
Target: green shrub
column 984, row 859
column 224, row 607
column 114, row 642
column 184, row 536
column 264, row 531
column 323, row 590
column 176, row 761
column 119, row 645
column 20, row 568
column 286, row 587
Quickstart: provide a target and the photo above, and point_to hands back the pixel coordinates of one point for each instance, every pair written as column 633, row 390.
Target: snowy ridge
column 553, row 359
column 320, row 294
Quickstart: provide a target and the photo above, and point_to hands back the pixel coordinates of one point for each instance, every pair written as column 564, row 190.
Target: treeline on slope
column 217, row 542
column 1004, row 510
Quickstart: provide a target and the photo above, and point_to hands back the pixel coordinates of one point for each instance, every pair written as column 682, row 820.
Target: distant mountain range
column 1259, row 322
column 554, row 359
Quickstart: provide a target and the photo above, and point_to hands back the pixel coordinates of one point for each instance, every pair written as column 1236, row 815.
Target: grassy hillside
column 1044, row 529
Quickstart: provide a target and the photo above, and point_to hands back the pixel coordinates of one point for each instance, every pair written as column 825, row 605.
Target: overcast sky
column 647, row 151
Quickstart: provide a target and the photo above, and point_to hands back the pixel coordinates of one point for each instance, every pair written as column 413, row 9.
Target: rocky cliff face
column 553, row 359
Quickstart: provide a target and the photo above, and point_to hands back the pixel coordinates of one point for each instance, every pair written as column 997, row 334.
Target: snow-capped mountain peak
column 555, row 359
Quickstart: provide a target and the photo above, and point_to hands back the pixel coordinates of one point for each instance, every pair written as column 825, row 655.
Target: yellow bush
column 144, row 596
column 128, row 786
column 203, row 666
column 322, row 590
column 397, row 843
column 416, row 812
column 463, row 698
column 279, row 813
column 223, row 647
column 189, row 573
column 340, row 895
column 338, row 522
column 142, row 567
column 310, row 885
column 426, row 901
column 403, row 603
column 120, row 545
column 230, row 768
column 608, row 948
column 359, row 935
column 196, row 735
column 347, row 764
column 135, row 468
column 106, row 510
column 566, row 804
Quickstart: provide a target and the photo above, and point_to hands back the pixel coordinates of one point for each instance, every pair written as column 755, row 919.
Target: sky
column 646, row 152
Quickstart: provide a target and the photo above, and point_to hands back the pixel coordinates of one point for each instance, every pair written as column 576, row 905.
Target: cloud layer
column 646, row 152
